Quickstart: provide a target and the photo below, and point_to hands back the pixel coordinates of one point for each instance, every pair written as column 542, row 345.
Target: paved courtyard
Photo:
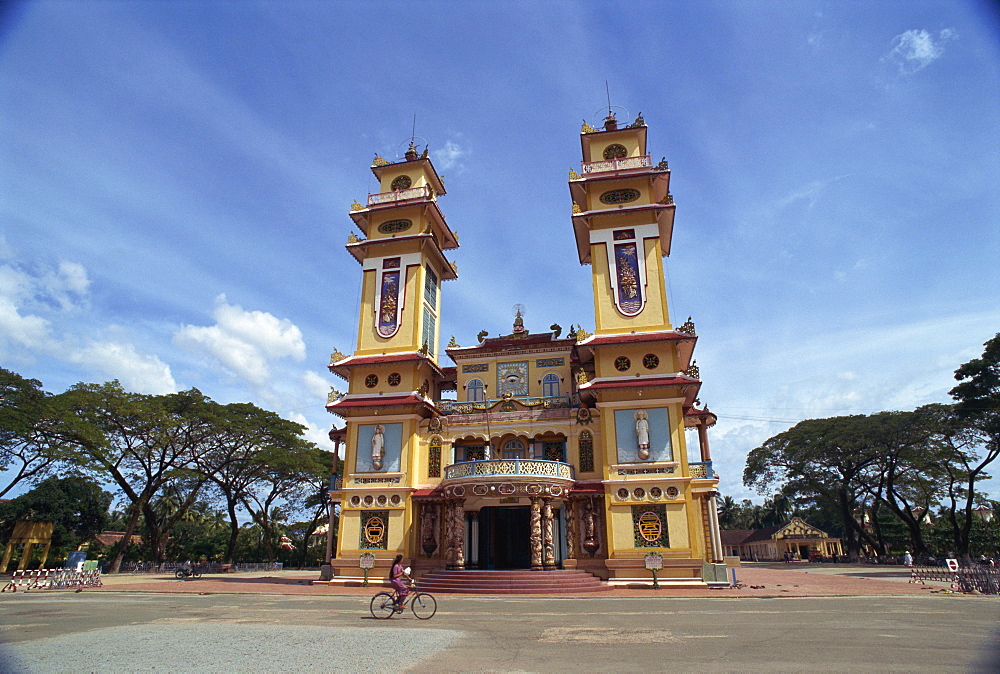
column 844, row 619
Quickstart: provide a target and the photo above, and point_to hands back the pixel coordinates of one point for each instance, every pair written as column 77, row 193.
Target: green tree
column 818, row 458
column 29, row 418
column 139, row 442
column 77, row 506
column 248, row 447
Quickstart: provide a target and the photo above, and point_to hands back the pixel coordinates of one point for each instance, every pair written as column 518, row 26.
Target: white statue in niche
column 378, row 446
column 642, row 433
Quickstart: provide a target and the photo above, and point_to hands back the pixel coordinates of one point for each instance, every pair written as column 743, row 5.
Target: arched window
column 513, row 449
column 550, row 385
column 474, row 391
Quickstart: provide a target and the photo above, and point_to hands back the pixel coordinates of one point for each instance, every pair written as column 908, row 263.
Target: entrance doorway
column 504, row 537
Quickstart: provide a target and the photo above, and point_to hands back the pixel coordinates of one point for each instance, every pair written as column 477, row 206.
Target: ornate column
column 548, row 545
column 569, row 512
column 458, row 530
column 474, row 539
column 428, row 528
column 536, row 534
column 591, row 543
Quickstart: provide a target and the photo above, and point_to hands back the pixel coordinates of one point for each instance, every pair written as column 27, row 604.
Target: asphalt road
column 269, row 633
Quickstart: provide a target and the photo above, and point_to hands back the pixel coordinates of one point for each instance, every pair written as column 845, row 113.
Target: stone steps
column 511, row 582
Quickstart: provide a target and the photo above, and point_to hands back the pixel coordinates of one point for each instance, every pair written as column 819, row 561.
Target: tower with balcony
column 393, row 376
column 637, row 369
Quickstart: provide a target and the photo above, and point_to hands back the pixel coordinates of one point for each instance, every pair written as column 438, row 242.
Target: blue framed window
column 474, row 391
column 550, row 385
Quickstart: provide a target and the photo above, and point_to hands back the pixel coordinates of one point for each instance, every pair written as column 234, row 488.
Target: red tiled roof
column 637, row 337
column 638, row 382
column 378, row 401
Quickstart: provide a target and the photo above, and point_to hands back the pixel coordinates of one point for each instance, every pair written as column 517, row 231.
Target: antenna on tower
column 607, row 89
column 413, row 131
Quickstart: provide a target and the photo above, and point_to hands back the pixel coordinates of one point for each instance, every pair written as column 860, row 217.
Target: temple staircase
column 562, row 581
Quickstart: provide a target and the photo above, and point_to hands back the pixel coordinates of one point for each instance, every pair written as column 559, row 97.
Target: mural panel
column 512, row 378
column 643, row 435
column 374, row 530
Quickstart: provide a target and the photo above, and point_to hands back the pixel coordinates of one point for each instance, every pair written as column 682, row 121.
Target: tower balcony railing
column 702, row 470
column 623, row 164
column 509, row 468
column 420, row 192
column 482, row 406
column 336, row 482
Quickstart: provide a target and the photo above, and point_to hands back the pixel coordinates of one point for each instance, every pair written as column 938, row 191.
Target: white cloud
column 26, row 331
column 914, row 50
column 313, row 433
column 137, row 372
column 244, row 342
column 449, row 156
column 316, row 385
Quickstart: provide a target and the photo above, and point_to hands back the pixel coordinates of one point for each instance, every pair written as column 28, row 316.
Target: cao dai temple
column 535, row 451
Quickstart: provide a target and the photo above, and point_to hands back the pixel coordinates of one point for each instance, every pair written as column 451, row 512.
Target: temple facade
column 527, row 450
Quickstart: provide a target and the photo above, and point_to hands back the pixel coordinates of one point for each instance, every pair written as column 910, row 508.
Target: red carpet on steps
column 511, row 582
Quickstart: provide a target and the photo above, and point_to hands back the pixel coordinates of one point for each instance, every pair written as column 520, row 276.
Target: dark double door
column 504, row 541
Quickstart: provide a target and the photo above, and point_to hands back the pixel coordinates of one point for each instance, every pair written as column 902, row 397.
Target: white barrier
column 52, row 579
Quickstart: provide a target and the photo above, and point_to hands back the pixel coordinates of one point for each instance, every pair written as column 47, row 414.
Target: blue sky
column 175, row 179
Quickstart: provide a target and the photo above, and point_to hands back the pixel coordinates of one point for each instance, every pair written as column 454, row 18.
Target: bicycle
column 194, row 572
column 385, row 604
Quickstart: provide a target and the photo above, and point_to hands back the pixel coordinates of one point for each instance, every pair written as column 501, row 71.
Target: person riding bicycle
column 396, row 580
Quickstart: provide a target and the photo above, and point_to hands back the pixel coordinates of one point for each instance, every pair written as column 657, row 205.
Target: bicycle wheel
column 383, row 606
column 423, row 605
column 179, row 574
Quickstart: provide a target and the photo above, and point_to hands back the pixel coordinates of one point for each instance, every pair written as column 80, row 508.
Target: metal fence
column 981, row 579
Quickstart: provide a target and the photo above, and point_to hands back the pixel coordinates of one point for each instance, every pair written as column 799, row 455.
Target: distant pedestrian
column 907, row 558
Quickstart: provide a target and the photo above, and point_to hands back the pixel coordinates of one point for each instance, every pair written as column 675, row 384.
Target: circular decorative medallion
column 650, row 526
column 615, row 151
column 369, row 500
column 650, row 361
column 401, row 183
column 394, row 379
column 623, row 493
column 622, row 363
column 639, row 492
column 395, row 499
column 374, row 529
column 614, row 197
column 655, row 492
column 672, row 492
column 371, row 381
column 355, row 501
column 382, row 499
column 395, row 226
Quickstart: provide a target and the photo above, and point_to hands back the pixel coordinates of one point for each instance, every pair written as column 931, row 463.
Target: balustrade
column 701, row 470
column 509, row 467
column 623, row 164
column 420, row 192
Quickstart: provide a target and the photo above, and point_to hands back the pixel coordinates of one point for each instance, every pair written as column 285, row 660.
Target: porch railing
column 509, row 467
column 702, row 470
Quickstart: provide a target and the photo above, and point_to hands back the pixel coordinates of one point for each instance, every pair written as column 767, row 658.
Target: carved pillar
column 474, row 539
column 536, row 534
column 713, row 527
column 569, row 512
column 458, row 529
column 428, row 528
column 548, row 545
column 706, row 453
column 590, row 541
